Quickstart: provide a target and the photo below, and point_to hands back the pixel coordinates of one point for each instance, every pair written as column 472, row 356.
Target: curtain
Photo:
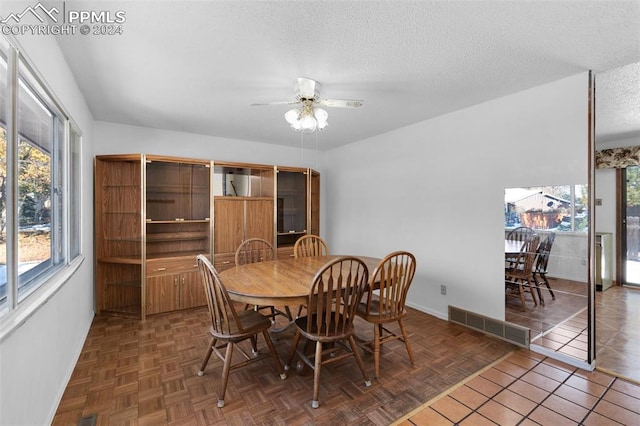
column 618, row 158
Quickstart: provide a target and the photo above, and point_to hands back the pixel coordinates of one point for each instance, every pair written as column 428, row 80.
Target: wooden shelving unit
column 119, row 234
column 155, row 214
column 152, row 220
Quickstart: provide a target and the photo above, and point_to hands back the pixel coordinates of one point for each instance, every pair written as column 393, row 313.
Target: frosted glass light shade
column 308, row 124
column 320, row 114
column 292, row 115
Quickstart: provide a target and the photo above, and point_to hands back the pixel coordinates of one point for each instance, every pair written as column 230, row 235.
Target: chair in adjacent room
column 384, row 303
column 334, row 295
column 229, row 328
column 522, row 234
column 542, row 262
column 310, row 245
column 519, row 275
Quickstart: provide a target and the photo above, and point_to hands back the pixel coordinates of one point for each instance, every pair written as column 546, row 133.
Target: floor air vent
column 503, row 330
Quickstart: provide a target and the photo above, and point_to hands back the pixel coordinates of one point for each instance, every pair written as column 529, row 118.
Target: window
column 75, row 179
column 556, row 208
column 40, row 178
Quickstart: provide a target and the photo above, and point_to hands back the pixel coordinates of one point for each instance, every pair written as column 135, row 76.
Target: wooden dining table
column 281, row 282
column 512, row 247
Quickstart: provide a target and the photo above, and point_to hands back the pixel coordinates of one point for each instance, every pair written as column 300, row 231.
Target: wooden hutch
column 155, row 214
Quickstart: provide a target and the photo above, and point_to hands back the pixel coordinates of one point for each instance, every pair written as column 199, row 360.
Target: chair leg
column 546, row 282
column 377, row 335
column 292, row 354
column 225, row 373
column 274, row 354
column 533, row 295
column 535, row 282
column 405, row 339
column 206, row 357
column 254, row 345
column 521, row 293
column 356, row 355
column 315, row 403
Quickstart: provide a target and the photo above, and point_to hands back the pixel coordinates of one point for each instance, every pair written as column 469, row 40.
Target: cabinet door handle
column 226, row 262
column 161, row 269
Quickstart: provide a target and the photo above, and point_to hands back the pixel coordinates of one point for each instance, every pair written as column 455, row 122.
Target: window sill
column 15, row 319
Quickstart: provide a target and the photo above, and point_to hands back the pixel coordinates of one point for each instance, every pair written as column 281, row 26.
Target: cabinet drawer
column 224, row 261
column 164, row 267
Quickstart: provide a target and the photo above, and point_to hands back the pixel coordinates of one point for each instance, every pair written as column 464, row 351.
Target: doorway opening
column 631, row 226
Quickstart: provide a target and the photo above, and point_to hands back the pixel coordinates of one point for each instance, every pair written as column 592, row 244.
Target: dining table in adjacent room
column 512, row 247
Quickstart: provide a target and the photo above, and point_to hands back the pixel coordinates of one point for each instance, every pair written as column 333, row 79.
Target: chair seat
column 336, row 330
column 252, row 322
column 375, row 314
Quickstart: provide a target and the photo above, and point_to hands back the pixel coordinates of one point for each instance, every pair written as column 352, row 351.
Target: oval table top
column 281, row 282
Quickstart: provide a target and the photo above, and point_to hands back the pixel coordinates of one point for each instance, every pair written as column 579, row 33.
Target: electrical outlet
column 443, row 290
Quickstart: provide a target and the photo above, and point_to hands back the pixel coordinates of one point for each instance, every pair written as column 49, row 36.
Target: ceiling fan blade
column 277, row 103
column 341, row 103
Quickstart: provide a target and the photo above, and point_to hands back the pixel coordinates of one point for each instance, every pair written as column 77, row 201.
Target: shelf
column 179, row 221
column 176, row 236
column 125, row 260
column 175, row 255
column 292, row 233
column 240, row 197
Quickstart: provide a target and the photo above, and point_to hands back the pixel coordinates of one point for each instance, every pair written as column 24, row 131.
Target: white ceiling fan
column 310, row 117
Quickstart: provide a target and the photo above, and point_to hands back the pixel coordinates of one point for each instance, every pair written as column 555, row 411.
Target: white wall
column 37, row 359
column 436, row 188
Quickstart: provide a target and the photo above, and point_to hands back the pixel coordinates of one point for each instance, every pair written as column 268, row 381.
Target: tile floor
column 526, row 388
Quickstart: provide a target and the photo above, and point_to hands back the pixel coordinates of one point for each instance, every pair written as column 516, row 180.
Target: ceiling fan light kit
column 309, row 117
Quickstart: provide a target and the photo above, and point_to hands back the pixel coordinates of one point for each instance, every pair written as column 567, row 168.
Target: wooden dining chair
column 384, row 303
column 229, row 328
column 255, row 250
column 541, row 265
column 519, row 275
column 310, row 245
column 334, row 295
column 521, row 233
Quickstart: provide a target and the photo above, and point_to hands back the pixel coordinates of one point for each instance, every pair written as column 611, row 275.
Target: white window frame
column 14, row 312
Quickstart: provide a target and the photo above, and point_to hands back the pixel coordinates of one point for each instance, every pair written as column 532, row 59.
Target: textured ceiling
column 197, row 66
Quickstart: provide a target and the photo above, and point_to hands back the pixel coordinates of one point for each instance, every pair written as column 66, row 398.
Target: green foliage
column 34, row 181
column 633, row 186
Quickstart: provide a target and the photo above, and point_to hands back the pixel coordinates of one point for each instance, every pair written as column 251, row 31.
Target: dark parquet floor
column 133, row 372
